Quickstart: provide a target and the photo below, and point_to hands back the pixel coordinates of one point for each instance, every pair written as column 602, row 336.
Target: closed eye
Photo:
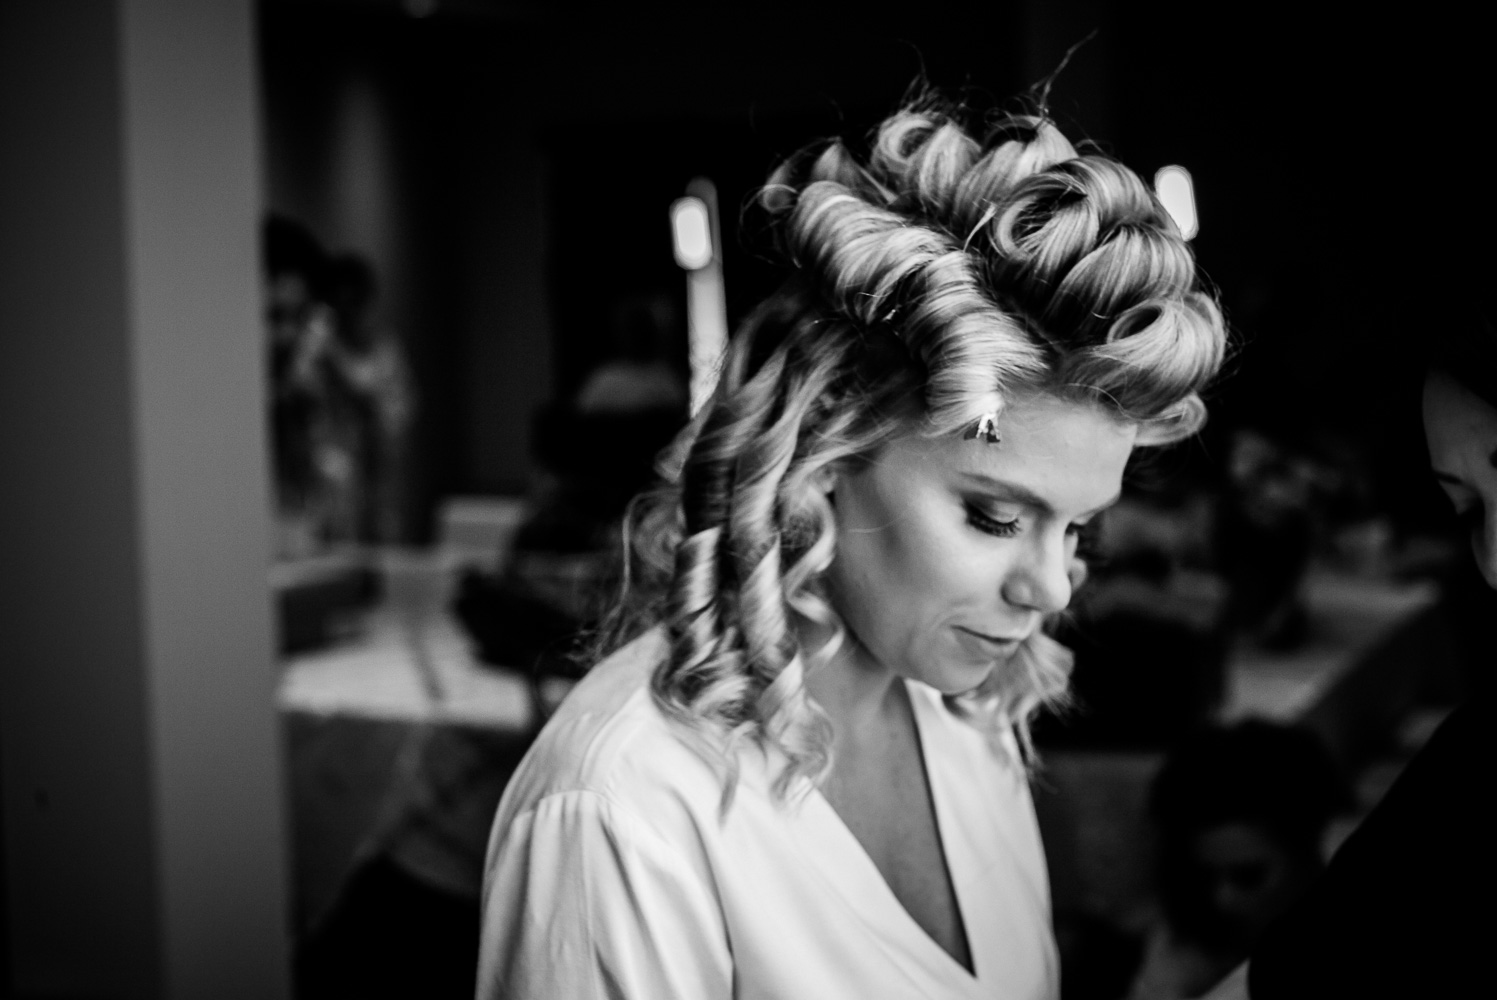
column 990, row 525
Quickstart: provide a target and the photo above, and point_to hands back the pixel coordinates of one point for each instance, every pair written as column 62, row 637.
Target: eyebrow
column 1024, row 495
column 1451, row 478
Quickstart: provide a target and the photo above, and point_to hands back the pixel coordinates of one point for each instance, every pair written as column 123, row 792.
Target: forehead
column 1460, row 426
column 1044, row 425
column 1070, row 453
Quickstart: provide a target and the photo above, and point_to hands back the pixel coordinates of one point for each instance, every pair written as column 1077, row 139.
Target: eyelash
column 1007, row 529
column 991, row 525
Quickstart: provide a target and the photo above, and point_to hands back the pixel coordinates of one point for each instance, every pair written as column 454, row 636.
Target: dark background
column 508, row 167
column 527, row 154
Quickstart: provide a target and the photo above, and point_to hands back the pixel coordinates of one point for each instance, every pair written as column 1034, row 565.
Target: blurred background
column 341, row 331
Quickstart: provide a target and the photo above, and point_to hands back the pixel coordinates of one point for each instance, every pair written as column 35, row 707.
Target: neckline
column 940, row 807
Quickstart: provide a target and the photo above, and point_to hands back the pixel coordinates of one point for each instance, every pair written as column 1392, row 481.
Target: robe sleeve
column 583, row 900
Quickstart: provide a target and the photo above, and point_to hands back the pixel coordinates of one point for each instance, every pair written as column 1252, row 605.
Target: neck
column 854, row 689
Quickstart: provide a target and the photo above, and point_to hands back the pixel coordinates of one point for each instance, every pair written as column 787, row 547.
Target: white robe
column 610, row 873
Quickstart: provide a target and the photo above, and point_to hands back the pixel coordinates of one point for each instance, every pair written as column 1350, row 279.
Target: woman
column 805, row 775
column 1404, row 909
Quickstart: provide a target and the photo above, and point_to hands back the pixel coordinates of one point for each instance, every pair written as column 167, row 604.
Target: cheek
column 1483, row 534
column 909, row 569
column 1484, row 548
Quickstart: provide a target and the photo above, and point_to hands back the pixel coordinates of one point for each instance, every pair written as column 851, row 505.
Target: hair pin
column 985, row 428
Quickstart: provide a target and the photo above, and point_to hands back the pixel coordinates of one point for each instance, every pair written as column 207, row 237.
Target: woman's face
column 1461, row 429
column 950, row 551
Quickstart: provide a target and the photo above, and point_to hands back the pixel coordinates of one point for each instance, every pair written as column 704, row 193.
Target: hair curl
column 931, row 282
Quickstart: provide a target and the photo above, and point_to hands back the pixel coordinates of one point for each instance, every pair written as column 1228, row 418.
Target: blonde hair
column 930, row 284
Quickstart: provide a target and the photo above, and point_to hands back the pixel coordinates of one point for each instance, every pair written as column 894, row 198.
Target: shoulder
column 1401, row 887
column 609, row 743
column 1463, row 742
column 1436, row 807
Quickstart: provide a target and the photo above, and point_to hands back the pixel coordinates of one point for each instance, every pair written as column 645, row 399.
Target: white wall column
column 143, row 816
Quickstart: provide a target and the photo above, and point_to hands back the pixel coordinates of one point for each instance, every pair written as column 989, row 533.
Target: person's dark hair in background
column 1240, row 815
column 294, row 267
column 600, row 444
column 1404, row 909
column 291, row 251
column 351, row 288
column 597, row 449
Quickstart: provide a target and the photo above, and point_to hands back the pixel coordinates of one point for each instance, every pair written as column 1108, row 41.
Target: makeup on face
column 951, row 552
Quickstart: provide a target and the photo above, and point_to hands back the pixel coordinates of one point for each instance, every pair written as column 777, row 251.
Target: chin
column 957, row 666
column 957, row 676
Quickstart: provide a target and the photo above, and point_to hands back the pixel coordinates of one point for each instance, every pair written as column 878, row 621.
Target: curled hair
column 931, row 282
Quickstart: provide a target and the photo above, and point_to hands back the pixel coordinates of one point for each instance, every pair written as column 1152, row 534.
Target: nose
column 1040, row 578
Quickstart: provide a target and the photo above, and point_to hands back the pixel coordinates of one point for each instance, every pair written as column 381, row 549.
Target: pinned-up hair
column 930, row 284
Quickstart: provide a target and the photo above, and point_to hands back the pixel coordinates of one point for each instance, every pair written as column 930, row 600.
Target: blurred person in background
column 1404, row 908
column 342, row 397
column 294, row 264
column 800, row 768
column 376, row 397
column 1240, row 816
column 1151, row 628
column 598, row 446
column 1265, row 537
column 596, row 451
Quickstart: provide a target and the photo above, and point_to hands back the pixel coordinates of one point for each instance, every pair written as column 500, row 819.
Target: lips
column 998, row 643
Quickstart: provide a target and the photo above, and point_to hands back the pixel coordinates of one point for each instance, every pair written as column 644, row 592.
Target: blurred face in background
column 1461, row 430
column 288, row 297
column 950, row 552
column 1247, row 878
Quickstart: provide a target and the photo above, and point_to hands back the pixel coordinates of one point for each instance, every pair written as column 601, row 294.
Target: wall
column 73, row 716
column 143, row 823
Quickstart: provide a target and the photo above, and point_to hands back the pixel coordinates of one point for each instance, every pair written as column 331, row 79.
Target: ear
column 825, row 481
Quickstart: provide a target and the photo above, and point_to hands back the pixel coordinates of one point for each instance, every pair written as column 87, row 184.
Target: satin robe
column 612, row 873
